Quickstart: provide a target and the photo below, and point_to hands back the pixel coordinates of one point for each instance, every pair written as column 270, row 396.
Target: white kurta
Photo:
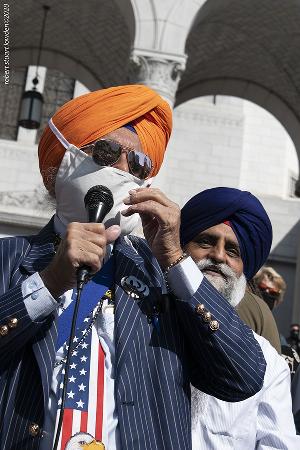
column 261, row 422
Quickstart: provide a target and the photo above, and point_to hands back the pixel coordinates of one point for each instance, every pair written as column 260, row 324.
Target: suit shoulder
column 13, row 250
column 254, row 306
column 15, row 242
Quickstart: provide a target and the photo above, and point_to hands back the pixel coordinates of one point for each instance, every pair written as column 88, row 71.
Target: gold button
column 34, row 429
column 12, row 323
column 200, row 309
column 214, row 325
column 207, row 316
column 3, row 330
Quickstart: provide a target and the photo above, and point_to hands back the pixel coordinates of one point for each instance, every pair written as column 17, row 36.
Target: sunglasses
column 106, row 152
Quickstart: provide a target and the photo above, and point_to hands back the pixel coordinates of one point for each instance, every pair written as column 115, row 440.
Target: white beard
column 230, row 286
column 233, row 290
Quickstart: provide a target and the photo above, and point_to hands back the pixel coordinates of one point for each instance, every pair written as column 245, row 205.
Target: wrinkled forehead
column 222, row 231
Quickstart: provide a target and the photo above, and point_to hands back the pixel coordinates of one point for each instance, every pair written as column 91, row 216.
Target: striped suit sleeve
column 11, row 299
column 227, row 363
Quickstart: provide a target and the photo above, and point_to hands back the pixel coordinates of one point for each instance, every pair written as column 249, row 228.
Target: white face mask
column 77, row 174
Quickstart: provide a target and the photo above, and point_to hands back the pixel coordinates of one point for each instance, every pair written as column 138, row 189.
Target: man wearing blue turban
column 242, row 212
column 229, row 235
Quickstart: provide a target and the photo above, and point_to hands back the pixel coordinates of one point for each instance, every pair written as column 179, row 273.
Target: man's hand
column 83, row 245
column 161, row 222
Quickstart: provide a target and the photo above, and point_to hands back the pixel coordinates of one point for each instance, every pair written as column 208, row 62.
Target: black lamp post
column 32, row 101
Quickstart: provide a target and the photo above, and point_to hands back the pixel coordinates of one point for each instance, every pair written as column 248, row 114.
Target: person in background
column 228, row 234
column 294, row 339
column 271, row 287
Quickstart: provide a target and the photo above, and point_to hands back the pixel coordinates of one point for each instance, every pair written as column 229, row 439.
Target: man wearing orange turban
column 89, row 117
column 119, row 373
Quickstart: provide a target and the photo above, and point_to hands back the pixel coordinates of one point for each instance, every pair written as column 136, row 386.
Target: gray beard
column 233, row 289
column 230, row 286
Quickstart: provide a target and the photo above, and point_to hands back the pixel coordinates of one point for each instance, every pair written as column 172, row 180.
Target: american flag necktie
column 83, row 411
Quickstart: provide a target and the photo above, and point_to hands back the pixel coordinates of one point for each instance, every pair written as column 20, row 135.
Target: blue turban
column 247, row 217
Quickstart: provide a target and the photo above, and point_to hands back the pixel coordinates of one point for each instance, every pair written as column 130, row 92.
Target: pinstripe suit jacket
column 153, row 371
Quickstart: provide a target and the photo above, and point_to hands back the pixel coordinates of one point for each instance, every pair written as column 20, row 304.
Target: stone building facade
column 230, row 70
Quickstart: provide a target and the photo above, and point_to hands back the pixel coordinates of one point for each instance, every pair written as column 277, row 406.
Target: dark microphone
column 98, row 202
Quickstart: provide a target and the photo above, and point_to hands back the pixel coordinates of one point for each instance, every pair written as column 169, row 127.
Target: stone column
column 160, row 71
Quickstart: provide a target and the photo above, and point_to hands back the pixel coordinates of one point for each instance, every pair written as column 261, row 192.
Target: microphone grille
column 99, row 194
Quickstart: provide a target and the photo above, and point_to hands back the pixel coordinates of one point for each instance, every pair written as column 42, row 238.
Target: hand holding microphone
column 98, row 202
column 84, row 245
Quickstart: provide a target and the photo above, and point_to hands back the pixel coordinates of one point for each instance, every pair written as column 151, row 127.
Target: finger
column 144, row 194
column 77, row 257
column 85, row 249
column 93, row 227
column 112, row 233
column 152, row 209
column 86, row 239
column 93, row 261
column 96, row 235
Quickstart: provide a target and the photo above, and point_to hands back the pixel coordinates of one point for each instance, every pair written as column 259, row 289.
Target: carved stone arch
column 145, row 23
column 126, row 8
column 159, row 24
column 249, row 52
column 62, row 62
column 253, row 92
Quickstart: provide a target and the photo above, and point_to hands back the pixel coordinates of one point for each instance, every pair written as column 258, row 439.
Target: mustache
column 223, row 269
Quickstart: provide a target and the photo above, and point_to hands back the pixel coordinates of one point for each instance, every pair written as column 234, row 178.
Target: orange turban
column 91, row 116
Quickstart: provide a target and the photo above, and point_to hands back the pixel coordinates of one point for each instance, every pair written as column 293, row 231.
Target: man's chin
column 216, row 279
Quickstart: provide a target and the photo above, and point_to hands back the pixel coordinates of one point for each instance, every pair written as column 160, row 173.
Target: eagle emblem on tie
column 84, row 441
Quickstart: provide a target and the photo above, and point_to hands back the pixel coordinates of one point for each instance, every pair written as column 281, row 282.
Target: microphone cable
column 67, row 365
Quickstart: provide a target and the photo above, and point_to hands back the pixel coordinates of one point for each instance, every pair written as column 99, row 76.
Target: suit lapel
column 41, row 251
column 130, row 314
column 39, row 256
